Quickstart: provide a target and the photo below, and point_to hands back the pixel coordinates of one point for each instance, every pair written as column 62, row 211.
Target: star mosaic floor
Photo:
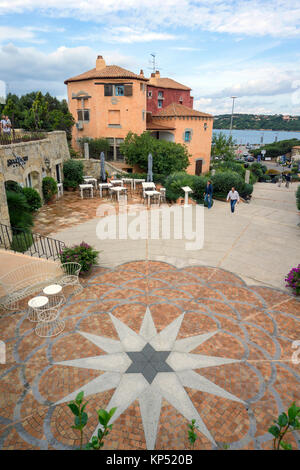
column 163, row 345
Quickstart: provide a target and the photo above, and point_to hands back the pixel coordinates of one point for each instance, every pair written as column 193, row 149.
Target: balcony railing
column 32, row 244
column 17, row 137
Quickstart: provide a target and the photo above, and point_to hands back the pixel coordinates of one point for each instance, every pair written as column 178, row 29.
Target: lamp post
column 233, row 98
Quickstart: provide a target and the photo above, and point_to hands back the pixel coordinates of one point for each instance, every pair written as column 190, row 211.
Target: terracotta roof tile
column 157, row 126
column 168, row 83
column 110, row 71
column 176, row 109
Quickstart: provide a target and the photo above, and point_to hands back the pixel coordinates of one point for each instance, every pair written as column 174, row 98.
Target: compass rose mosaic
column 164, row 346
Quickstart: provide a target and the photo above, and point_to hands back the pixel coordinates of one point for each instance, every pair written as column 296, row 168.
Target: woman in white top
column 234, row 198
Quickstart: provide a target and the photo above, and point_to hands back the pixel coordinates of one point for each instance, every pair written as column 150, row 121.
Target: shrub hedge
column 49, row 187
column 298, row 197
column 73, row 173
column 33, row 198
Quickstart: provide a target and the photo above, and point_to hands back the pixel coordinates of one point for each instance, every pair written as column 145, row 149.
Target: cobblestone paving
column 255, row 327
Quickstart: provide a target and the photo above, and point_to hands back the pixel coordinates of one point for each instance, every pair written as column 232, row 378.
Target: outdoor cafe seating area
column 115, row 188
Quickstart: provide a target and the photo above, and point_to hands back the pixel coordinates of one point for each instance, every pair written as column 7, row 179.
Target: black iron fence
column 16, row 137
column 32, row 244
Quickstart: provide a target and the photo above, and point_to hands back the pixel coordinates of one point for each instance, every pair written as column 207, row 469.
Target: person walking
column 287, row 180
column 7, row 126
column 280, row 180
column 208, row 194
column 234, row 197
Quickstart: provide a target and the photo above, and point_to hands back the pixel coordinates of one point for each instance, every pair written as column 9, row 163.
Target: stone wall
column 43, row 156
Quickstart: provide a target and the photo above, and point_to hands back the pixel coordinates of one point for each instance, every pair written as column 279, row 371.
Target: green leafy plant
column 298, row 197
column 168, row 157
column 21, row 241
column 33, row 198
column 13, row 186
column 83, row 254
column 96, row 146
column 104, row 418
column 19, row 211
column 192, row 436
column 49, row 187
column 284, row 424
column 73, row 173
column 81, row 417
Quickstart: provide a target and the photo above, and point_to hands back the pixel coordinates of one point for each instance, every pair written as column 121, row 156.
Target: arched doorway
column 33, row 180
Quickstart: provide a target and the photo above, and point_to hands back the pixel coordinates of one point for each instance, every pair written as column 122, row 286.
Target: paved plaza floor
column 164, row 334
column 259, row 242
column 162, row 344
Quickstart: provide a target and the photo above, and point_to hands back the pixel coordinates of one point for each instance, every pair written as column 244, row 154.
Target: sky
column 220, row 48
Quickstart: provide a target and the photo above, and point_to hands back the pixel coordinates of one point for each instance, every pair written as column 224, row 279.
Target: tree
column 222, row 147
column 40, row 111
column 167, row 156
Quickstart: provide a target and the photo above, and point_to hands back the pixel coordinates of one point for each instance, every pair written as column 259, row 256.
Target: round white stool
column 55, row 295
column 34, row 305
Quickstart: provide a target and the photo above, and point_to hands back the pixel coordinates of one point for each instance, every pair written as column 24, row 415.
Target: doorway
column 198, row 169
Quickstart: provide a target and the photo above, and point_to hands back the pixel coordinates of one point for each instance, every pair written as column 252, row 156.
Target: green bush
column 13, row 186
column 247, row 190
column 272, row 171
column 83, row 254
column 174, row 183
column 224, row 181
column 73, row 172
column 21, row 241
column 199, row 185
column 49, row 186
column 96, row 146
column 19, row 211
column 298, row 197
column 33, row 198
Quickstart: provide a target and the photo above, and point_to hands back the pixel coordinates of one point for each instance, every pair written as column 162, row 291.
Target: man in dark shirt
column 208, row 194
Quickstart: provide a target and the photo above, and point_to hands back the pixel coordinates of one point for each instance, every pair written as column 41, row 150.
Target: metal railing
column 29, row 243
column 16, row 137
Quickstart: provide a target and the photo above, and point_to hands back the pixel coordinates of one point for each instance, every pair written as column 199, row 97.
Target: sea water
column 246, row 136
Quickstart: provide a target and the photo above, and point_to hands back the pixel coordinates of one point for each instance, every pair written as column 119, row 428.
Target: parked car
column 249, row 158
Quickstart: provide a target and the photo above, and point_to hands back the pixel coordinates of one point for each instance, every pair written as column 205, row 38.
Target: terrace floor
column 224, row 356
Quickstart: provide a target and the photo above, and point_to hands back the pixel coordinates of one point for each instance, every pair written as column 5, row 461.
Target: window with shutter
column 128, row 90
column 108, row 90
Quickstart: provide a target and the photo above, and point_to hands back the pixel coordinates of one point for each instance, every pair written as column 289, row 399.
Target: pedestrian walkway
column 259, row 242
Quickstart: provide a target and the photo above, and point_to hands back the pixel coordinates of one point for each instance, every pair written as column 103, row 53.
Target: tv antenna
column 153, row 63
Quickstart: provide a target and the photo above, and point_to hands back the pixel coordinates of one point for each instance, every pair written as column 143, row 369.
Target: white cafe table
column 117, row 191
column 104, row 186
column 137, row 181
column 116, row 182
column 91, row 180
column 86, row 186
column 128, row 180
column 149, row 194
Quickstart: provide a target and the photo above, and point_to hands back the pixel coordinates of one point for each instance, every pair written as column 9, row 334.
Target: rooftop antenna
column 153, row 63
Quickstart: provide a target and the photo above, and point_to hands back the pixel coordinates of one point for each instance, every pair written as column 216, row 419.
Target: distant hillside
column 277, row 122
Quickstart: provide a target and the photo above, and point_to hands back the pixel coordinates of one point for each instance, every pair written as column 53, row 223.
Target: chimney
column 142, row 73
column 157, row 74
column 100, row 63
column 152, row 74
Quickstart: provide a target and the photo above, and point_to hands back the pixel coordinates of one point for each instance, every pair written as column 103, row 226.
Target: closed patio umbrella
column 102, row 170
column 150, row 163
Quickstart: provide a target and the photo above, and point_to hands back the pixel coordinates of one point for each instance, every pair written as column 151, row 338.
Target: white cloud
column 279, row 18
column 126, row 34
column 27, row 69
column 18, row 34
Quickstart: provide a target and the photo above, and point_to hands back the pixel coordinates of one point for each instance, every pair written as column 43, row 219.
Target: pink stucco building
column 109, row 101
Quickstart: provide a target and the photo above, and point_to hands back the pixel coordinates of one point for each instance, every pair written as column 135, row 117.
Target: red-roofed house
column 109, row 101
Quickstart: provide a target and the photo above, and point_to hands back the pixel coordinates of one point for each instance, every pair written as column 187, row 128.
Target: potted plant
column 84, row 254
column 49, row 187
